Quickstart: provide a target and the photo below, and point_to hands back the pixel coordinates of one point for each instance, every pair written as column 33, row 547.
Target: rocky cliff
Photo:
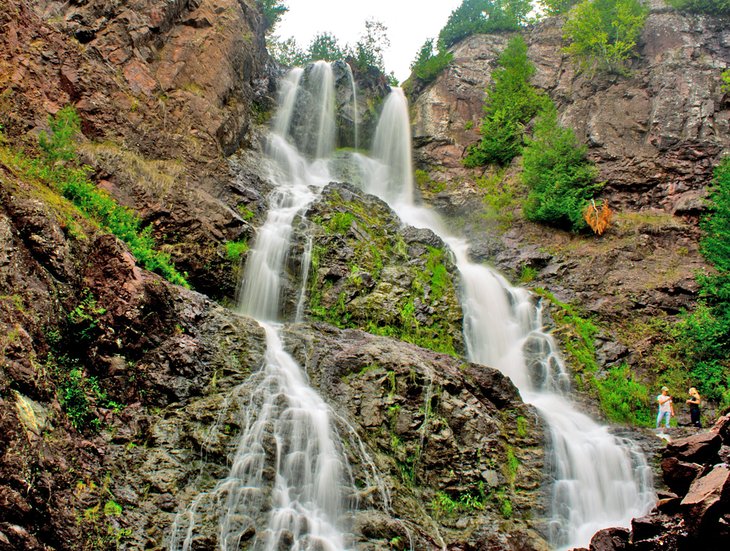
column 120, row 392
column 655, row 135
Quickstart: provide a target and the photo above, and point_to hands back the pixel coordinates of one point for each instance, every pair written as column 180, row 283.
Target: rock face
column 655, row 134
column 164, row 89
column 370, row 273
column 443, row 435
column 92, row 342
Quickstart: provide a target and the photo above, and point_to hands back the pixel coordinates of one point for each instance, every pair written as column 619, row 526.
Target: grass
column 56, row 168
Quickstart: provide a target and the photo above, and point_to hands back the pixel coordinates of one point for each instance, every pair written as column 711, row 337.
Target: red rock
column 722, row 427
column 707, row 499
column 610, row 539
column 678, row 475
column 139, row 78
column 699, row 448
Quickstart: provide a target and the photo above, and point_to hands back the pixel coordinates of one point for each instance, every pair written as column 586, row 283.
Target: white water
column 288, row 461
column 600, row 481
column 356, row 134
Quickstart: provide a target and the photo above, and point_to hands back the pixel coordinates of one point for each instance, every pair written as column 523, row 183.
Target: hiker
column 694, row 407
column 666, row 409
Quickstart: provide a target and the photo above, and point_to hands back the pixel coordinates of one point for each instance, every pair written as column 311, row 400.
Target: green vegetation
column 558, row 174
column 272, row 11
column 624, row 399
column 725, row 81
column 236, row 249
column 58, row 168
column 511, row 103
column 348, row 303
column 471, row 17
column 84, row 318
column 326, row 47
column 429, row 63
column 603, row 33
column 444, row 505
column 483, row 16
column 708, row 326
column 712, row 7
column 369, row 49
column 500, row 197
column 556, row 7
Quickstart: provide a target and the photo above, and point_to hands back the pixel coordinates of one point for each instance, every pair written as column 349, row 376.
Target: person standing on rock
column 694, row 407
column 666, row 409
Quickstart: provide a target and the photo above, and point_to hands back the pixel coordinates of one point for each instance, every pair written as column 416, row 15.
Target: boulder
column 610, row 539
column 722, row 427
column 700, row 448
column 678, row 475
column 707, row 499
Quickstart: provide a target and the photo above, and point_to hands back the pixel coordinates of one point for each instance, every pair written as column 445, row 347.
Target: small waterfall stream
column 288, row 465
column 600, row 481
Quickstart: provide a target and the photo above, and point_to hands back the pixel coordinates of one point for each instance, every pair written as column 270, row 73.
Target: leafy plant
column 624, row 399
column 556, row 7
column 369, row 49
column 708, row 327
column 58, row 169
column 483, row 16
column 272, row 11
column 598, row 219
column 603, row 33
column 511, row 103
column 236, row 249
column 286, row 51
column 712, row 7
column 59, row 144
column 558, row 174
column 326, row 47
column 429, row 63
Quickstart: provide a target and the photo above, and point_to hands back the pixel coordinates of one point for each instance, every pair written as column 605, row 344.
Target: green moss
column 236, row 249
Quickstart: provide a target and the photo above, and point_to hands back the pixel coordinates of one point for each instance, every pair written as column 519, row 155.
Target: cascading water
column 600, row 481
column 288, row 467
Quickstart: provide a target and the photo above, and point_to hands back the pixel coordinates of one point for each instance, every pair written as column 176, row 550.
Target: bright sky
column 410, row 23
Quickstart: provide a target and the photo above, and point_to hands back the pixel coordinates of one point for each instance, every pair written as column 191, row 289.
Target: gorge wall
column 655, row 135
column 167, row 92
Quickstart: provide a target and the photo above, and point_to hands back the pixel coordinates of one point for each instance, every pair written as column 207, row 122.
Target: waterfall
column 599, row 480
column 287, row 484
column 353, row 87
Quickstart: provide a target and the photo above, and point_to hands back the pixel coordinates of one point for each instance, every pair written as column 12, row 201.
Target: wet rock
column 679, row 475
column 722, row 427
column 708, row 497
column 610, row 539
column 700, row 448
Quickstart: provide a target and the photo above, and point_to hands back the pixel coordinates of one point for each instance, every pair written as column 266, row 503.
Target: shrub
column 429, row 64
column 483, row 16
column 57, row 169
column 603, row 33
column 712, row 7
column 272, row 10
column 286, row 52
column 326, row 47
column 559, row 176
column 556, row 7
column 708, row 327
column 59, row 144
column 511, row 103
column 369, row 49
column 623, row 399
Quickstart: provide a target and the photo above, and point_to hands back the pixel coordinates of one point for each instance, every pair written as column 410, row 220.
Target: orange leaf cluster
column 598, row 218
